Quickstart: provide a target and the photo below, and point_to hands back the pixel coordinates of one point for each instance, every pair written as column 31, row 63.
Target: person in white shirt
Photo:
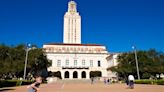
column 131, row 81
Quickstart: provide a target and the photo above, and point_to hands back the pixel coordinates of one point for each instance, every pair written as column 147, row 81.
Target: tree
column 38, row 62
column 150, row 63
column 12, row 61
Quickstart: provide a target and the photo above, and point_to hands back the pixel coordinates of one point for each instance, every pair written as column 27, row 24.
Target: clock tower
column 72, row 25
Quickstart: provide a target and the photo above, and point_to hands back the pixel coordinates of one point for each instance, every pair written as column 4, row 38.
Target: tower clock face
column 72, row 6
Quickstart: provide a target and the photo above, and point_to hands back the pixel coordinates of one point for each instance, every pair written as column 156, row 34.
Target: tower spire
column 72, row 6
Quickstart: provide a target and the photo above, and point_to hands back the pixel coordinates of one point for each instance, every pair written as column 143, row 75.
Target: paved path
column 87, row 87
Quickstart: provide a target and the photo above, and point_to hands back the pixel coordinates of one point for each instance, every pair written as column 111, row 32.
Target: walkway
column 87, row 87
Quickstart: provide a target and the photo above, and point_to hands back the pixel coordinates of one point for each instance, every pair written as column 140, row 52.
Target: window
column 75, row 62
column 91, row 63
column 99, row 64
column 67, row 62
column 58, row 63
column 83, row 62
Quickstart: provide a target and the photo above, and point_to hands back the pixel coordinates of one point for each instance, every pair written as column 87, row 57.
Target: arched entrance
column 75, row 74
column 95, row 74
column 66, row 75
column 83, row 74
column 54, row 74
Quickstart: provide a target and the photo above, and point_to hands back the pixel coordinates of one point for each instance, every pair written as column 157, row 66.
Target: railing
column 74, row 67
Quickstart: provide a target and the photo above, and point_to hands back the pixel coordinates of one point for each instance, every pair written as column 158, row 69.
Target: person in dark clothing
column 126, row 81
column 92, row 80
column 108, row 81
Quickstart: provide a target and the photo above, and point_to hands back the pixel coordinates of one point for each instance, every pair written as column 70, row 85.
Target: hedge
column 12, row 83
column 160, row 82
column 146, row 81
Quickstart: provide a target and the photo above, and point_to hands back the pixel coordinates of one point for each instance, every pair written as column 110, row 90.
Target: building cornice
column 73, row 44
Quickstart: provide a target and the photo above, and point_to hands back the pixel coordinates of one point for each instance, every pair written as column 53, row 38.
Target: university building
column 73, row 59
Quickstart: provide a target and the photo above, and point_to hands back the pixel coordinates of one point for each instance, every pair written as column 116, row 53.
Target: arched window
column 66, row 75
column 75, row 74
column 83, row 74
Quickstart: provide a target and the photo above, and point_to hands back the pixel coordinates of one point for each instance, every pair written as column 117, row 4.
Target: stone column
column 87, row 75
column 62, row 74
column 70, row 74
column 79, row 74
column 104, row 73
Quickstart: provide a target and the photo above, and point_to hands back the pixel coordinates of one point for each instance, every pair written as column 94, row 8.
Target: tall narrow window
column 91, row 63
column 99, row 64
column 58, row 63
column 67, row 63
column 83, row 62
column 75, row 62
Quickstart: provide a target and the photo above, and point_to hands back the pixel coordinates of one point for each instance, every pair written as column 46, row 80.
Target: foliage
column 12, row 61
column 159, row 82
column 150, row 64
column 146, row 81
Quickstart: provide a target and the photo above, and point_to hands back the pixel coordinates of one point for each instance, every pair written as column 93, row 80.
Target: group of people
column 129, row 81
column 106, row 81
column 34, row 87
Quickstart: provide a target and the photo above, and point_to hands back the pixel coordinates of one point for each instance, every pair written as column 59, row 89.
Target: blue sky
column 118, row 24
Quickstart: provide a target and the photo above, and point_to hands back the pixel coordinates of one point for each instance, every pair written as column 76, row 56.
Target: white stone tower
column 72, row 25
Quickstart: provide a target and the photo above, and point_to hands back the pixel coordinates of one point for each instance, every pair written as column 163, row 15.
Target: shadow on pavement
column 6, row 89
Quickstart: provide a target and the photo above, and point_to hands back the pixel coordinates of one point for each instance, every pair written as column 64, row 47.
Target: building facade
column 77, row 61
column 73, row 59
column 112, row 60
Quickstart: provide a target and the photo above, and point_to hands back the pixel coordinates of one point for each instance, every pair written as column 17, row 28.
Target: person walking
column 105, row 81
column 131, row 81
column 34, row 87
column 127, row 81
column 108, row 81
column 92, row 80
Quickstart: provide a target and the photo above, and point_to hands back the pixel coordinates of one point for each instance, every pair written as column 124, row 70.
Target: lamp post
column 27, row 50
column 135, row 52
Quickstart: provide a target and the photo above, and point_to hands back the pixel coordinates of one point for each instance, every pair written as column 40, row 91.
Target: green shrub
column 146, row 75
column 18, row 83
column 160, row 82
column 146, row 81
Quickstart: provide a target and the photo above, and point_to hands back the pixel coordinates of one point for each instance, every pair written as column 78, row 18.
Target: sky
column 117, row 24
